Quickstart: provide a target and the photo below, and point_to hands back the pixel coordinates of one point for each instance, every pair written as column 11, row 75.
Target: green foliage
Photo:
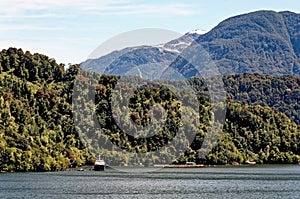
column 37, row 132
column 258, row 134
column 265, row 42
column 36, row 125
column 280, row 93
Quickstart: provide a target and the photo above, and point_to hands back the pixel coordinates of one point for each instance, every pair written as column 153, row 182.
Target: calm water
column 238, row 182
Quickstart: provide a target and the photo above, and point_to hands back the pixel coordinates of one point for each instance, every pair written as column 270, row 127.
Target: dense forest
column 265, row 42
column 280, row 93
column 37, row 130
column 36, row 127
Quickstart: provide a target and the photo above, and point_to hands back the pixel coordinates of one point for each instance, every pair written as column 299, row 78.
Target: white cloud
column 22, row 20
column 27, row 27
column 31, row 16
column 173, row 9
column 28, row 8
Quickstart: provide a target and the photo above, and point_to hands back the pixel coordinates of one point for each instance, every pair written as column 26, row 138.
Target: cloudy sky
column 69, row 30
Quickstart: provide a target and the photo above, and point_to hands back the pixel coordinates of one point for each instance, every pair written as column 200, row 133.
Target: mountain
column 145, row 61
column 264, row 42
column 38, row 131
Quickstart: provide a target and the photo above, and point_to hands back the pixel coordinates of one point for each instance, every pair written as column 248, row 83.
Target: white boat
column 249, row 162
column 99, row 165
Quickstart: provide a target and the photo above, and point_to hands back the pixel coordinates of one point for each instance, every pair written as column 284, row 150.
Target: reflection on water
column 238, row 182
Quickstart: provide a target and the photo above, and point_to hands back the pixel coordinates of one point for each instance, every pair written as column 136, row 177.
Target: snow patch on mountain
column 197, row 31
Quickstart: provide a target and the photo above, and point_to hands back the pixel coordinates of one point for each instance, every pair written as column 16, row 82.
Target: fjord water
column 235, row 182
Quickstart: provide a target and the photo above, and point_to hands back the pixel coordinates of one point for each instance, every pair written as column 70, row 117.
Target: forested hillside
column 264, row 42
column 37, row 132
column 256, row 133
column 36, row 127
column 280, row 93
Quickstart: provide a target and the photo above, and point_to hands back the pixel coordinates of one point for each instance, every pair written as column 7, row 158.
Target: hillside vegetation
column 36, row 127
column 37, row 131
column 264, row 42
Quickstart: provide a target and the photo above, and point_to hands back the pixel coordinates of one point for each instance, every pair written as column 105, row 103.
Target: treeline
column 280, row 93
column 38, row 133
column 36, row 126
column 256, row 133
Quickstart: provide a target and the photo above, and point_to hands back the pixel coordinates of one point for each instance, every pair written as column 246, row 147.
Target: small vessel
column 249, row 162
column 99, row 164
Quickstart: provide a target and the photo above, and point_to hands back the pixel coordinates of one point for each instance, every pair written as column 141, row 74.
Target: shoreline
column 90, row 168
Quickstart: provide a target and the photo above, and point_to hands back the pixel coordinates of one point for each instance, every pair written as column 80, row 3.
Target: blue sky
column 69, row 30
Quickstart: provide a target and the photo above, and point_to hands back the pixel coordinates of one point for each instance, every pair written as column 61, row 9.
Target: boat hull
column 99, row 167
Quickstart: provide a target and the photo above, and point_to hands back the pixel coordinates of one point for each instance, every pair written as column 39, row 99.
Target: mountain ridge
column 157, row 56
column 265, row 42
column 255, row 42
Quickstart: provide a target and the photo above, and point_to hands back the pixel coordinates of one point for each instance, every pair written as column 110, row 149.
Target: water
column 238, row 182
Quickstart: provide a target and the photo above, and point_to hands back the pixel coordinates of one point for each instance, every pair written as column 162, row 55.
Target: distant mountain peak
column 265, row 42
column 197, row 31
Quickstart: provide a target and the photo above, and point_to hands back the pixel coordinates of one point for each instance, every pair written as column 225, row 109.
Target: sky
column 70, row 30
